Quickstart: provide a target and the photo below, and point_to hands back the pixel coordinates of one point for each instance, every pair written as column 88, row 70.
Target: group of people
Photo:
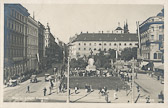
column 88, row 88
column 103, row 91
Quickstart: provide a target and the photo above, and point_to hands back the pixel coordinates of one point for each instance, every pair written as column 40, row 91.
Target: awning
column 144, row 63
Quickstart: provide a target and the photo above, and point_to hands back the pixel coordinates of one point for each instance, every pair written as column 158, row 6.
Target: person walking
column 76, row 89
column 50, row 88
column 148, row 99
column 115, row 96
column 106, row 97
column 44, row 90
column 28, row 89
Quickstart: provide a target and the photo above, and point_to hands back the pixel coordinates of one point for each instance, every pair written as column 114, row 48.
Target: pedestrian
column 115, row 96
column 64, row 86
column 117, row 89
column 76, row 89
column 86, row 87
column 148, row 99
column 44, row 90
column 100, row 90
column 60, row 88
column 28, row 89
column 69, row 91
column 106, row 98
column 50, row 88
column 105, row 89
column 138, row 88
column 52, row 85
column 103, row 92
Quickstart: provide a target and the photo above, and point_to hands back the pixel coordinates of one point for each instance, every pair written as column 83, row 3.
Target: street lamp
column 133, row 80
column 68, row 92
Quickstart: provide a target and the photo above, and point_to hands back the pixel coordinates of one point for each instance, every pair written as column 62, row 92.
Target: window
column 84, row 43
column 105, row 44
column 160, row 37
column 109, row 44
column 160, row 27
column 90, row 49
column 94, row 44
column 130, row 44
column 79, row 49
column 95, row 49
column 125, row 44
column 152, row 37
column 99, row 43
column 155, row 55
column 152, row 28
column 90, row 44
column 115, row 44
column 159, row 56
column 84, row 48
column 120, row 44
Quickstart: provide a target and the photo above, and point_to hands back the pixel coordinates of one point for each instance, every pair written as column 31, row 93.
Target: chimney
column 81, row 32
column 102, row 32
column 87, row 32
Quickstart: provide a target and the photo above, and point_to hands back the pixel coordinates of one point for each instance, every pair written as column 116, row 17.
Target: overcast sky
column 65, row 20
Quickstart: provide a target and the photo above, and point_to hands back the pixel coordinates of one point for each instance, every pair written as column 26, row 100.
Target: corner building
column 15, row 40
column 152, row 38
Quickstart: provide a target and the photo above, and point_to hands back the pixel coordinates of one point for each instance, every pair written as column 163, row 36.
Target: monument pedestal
column 91, row 68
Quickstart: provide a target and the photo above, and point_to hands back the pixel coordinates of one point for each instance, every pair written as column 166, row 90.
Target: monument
column 91, row 66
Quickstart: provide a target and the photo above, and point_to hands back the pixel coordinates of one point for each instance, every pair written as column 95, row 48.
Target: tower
column 126, row 27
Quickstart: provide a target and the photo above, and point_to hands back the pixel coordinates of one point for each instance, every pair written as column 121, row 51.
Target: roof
column 119, row 28
column 107, row 37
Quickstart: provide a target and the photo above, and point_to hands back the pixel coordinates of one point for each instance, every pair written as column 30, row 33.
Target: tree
column 128, row 53
column 79, row 63
column 112, row 54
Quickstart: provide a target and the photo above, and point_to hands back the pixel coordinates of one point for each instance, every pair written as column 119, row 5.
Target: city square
column 121, row 65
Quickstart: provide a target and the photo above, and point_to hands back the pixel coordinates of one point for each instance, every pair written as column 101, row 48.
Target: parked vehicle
column 33, row 79
column 12, row 83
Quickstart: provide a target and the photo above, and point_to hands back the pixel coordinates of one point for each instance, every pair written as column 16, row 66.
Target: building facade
column 15, row 40
column 152, row 38
column 41, row 39
column 86, row 43
column 41, row 48
column 49, row 43
column 32, row 44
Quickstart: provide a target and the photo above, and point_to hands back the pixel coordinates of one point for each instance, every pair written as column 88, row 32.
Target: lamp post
column 133, row 81
column 68, row 92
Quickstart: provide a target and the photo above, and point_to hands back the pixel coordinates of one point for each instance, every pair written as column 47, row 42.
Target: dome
column 119, row 28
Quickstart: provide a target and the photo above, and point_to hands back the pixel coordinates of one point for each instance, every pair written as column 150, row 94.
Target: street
column 150, row 85
column 18, row 93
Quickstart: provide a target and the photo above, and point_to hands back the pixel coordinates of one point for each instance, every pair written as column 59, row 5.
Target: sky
column 66, row 20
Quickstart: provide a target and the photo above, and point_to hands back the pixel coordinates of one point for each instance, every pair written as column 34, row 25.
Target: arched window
column 155, row 55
